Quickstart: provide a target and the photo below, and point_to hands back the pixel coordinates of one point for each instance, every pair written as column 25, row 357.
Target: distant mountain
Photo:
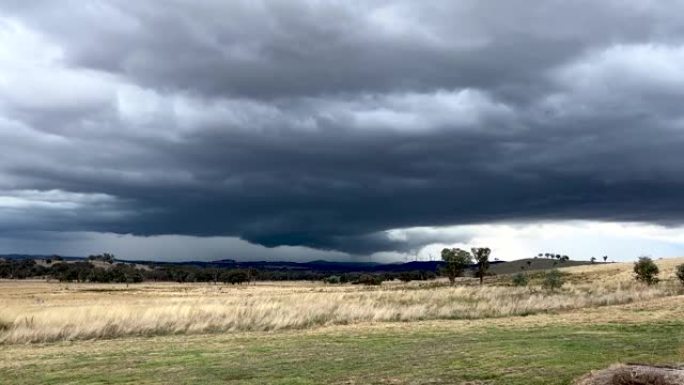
column 333, row 267
column 321, row 266
column 33, row 256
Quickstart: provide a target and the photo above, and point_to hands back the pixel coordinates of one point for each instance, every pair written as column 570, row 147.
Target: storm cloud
column 328, row 125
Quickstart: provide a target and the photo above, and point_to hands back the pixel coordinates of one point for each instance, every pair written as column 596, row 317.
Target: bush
column 235, row 276
column 553, row 280
column 646, row 270
column 520, row 279
column 369, row 279
column 333, row 279
column 679, row 271
column 414, row 275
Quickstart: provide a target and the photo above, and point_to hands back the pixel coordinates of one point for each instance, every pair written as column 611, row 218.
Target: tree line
column 104, row 269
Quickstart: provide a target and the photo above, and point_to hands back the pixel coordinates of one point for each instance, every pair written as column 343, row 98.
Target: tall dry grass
column 42, row 312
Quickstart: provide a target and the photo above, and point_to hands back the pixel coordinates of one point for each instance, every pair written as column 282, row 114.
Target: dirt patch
column 635, row 374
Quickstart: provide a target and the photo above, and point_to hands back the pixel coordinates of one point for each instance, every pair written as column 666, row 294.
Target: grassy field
column 533, row 264
column 550, row 346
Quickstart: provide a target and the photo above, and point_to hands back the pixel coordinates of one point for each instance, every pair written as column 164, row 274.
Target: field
column 309, row 333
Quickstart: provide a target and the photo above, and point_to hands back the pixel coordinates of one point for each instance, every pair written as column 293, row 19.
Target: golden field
column 38, row 311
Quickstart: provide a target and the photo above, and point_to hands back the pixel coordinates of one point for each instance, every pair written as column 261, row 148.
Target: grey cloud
column 283, row 49
column 325, row 125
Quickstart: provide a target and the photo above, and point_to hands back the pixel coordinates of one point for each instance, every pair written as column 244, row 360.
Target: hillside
column 533, row 264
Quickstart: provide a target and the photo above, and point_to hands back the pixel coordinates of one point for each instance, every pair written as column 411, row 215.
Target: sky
column 341, row 130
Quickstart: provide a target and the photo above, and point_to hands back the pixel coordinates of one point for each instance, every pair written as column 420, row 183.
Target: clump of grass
column 634, row 375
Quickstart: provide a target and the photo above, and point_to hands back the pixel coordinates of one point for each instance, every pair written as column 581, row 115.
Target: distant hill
column 315, row 266
column 34, row 256
column 328, row 267
column 531, row 264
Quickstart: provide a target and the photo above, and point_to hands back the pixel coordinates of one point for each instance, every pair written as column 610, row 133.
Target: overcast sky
column 341, row 130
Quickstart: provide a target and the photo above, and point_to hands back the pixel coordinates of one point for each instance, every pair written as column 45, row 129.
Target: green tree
column 481, row 255
column 593, row 260
column 234, row 276
column 456, row 261
column 646, row 270
column 553, row 280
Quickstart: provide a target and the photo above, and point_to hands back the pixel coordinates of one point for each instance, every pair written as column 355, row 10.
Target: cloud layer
column 328, row 124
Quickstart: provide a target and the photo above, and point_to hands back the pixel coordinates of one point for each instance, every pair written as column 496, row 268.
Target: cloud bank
column 328, row 125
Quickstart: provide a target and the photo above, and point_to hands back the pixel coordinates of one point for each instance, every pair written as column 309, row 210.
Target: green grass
column 415, row 354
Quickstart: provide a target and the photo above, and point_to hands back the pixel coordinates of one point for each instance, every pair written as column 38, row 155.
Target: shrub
column 646, row 270
column 553, row 280
column 234, row 276
column 520, row 279
column 405, row 276
column 369, row 279
column 414, row 275
column 679, row 271
column 333, row 279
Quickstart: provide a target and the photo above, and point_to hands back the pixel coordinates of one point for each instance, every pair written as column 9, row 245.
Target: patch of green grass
column 417, row 355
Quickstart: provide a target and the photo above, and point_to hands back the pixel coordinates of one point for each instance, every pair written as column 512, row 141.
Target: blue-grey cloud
column 326, row 124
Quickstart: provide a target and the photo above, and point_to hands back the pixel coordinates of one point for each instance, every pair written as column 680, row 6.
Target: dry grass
column 40, row 312
column 634, row 375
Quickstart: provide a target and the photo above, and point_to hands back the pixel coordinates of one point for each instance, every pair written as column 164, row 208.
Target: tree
column 679, row 271
column 481, row 255
column 529, row 263
column 646, row 270
column 456, row 261
column 405, row 276
column 605, row 258
column 593, row 260
column 252, row 274
column 553, row 280
column 234, row 276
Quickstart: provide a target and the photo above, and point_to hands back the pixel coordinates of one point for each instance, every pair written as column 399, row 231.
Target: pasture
column 311, row 333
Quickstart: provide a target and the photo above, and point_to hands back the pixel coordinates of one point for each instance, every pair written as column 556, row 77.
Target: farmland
column 311, row 333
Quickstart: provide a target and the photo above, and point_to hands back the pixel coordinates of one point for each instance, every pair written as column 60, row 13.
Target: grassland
column 533, row 264
column 553, row 344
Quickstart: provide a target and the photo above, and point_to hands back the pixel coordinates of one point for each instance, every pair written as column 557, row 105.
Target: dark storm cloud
column 325, row 124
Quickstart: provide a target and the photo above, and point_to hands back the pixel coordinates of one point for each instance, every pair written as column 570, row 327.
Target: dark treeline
column 105, row 269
